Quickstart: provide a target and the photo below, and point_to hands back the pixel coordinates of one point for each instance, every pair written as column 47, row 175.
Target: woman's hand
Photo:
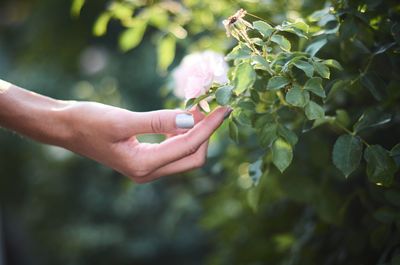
column 108, row 134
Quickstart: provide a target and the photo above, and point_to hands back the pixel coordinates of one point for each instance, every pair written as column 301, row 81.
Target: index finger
column 186, row 144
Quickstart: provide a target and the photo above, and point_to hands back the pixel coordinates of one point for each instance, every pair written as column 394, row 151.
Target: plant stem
column 351, row 133
column 252, row 15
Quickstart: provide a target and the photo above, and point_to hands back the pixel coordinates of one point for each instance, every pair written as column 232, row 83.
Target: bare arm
column 108, row 134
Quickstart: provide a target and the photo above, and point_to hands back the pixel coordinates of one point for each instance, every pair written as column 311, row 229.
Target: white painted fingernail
column 184, row 121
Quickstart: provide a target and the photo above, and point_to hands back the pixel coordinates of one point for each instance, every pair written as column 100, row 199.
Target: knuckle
column 156, row 123
column 191, row 149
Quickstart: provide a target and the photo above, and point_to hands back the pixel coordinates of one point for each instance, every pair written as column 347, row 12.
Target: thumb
column 163, row 121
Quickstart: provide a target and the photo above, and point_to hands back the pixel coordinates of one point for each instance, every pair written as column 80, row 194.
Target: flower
column 236, row 19
column 197, row 72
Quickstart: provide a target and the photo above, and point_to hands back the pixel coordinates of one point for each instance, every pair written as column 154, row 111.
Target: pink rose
column 197, row 72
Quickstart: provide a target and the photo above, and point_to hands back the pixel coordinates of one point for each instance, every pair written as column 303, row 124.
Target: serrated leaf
column 380, row 166
column 333, row 64
column 299, row 28
column 166, row 52
column 277, row 82
column 371, row 118
column 223, row 95
column 282, row 154
column 297, row 97
column 307, row 68
column 314, row 111
column 261, row 63
column 268, row 134
column 322, row 70
column 288, row 135
column 131, row 37
column 347, row 153
column 264, row 28
column 245, row 76
column 240, row 52
column 283, row 43
column 314, row 47
column 314, row 85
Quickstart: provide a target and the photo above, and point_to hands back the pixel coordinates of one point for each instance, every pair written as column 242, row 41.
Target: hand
column 108, row 135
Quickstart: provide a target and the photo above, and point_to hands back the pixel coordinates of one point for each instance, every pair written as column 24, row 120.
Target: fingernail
column 227, row 113
column 184, row 121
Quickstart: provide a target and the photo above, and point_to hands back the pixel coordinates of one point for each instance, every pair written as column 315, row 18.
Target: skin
column 107, row 134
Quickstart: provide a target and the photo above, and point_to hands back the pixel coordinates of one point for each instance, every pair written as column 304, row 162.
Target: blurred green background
column 60, row 208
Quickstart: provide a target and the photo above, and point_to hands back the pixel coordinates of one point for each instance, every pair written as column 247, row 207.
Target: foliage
column 287, row 82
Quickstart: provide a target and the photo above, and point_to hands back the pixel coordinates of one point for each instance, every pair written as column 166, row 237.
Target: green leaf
column 297, row 97
column 347, row 153
column 245, row 76
column 380, row 166
column 240, row 52
column 306, row 67
column 223, row 95
column 314, row 85
column 333, row 64
column 131, row 37
column 283, row 43
column 395, row 153
column 314, row 47
column 100, row 26
column 342, row 117
column 288, row 135
column 322, row 70
column 371, row 118
column 314, row 111
column 268, row 134
column 277, row 82
column 299, row 28
column 264, row 28
column 233, row 130
column 261, row 63
column 76, row 7
column 246, row 105
column 282, row 154
column 194, row 101
column 166, row 52
column 375, row 85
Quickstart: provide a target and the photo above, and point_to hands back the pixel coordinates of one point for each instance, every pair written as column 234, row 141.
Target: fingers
column 198, row 116
column 161, row 121
column 190, row 162
column 185, row 144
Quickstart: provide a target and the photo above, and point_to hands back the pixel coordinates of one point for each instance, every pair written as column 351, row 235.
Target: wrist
column 35, row 116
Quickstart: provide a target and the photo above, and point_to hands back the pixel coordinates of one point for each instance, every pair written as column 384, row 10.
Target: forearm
column 38, row 117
